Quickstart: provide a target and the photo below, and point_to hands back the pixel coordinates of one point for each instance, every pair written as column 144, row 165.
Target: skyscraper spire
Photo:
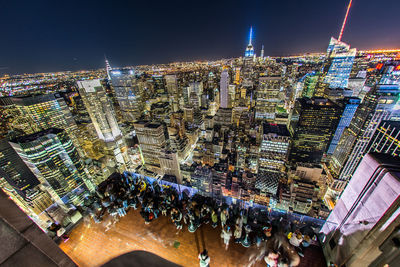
column 262, row 52
column 251, row 35
column 108, row 67
column 344, row 21
column 249, row 49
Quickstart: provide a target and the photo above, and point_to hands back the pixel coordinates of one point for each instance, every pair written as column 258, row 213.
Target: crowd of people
column 278, row 240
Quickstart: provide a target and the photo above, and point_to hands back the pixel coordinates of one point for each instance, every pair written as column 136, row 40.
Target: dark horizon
column 70, row 36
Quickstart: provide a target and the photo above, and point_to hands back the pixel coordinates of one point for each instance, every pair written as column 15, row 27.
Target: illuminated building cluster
column 288, row 133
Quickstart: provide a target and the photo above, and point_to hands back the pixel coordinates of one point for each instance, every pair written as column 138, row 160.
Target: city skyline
column 295, row 157
column 174, row 33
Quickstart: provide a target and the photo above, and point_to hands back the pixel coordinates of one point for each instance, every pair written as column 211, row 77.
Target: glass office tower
column 350, row 107
column 54, row 160
column 127, row 93
column 340, row 62
column 313, row 123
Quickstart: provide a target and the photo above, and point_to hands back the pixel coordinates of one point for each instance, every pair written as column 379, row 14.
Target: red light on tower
column 379, row 66
column 397, row 67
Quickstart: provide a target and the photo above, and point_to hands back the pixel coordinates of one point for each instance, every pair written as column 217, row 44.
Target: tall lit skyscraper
column 273, row 156
column 387, row 98
column 100, row 110
column 377, row 106
column 14, row 170
column 108, row 67
column 102, row 114
column 350, row 107
column 40, row 112
column 339, row 63
column 313, row 123
column 267, row 97
column 152, row 142
column 127, row 93
column 171, row 82
column 274, row 148
column 224, row 83
column 52, row 157
column 262, row 52
column 250, row 49
column 21, row 185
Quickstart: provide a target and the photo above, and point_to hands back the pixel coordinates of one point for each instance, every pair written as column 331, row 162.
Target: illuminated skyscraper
column 377, row 106
column 274, row 148
column 100, row 110
column 171, row 82
column 350, row 107
column 313, row 123
column 21, row 185
column 273, row 156
column 102, row 114
column 31, row 191
column 387, row 97
column 250, row 49
column 40, row 112
column 108, row 68
column 52, row 157
column 262, row 52
column 339, row 63
column 267, row 97
column 127, row 93
column 14, row 170
column 224, row 83
column 152, row 142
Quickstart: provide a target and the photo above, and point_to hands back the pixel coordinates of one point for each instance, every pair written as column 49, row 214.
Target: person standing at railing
column 214, row 218
column 224, row 217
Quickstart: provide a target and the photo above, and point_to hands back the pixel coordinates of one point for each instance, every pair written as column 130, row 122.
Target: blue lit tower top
column 340, row 58
column 249, row 49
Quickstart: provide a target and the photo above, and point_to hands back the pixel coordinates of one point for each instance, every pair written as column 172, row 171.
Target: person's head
column 275, row 248
column 204, row 253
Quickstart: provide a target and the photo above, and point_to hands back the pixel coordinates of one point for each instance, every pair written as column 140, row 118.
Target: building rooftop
column 279, row 129
column 92, row 244
column 316, row 102
column 34, row 136
column 29, row 100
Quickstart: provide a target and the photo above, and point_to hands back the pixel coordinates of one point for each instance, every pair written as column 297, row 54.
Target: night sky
column 45, row 36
